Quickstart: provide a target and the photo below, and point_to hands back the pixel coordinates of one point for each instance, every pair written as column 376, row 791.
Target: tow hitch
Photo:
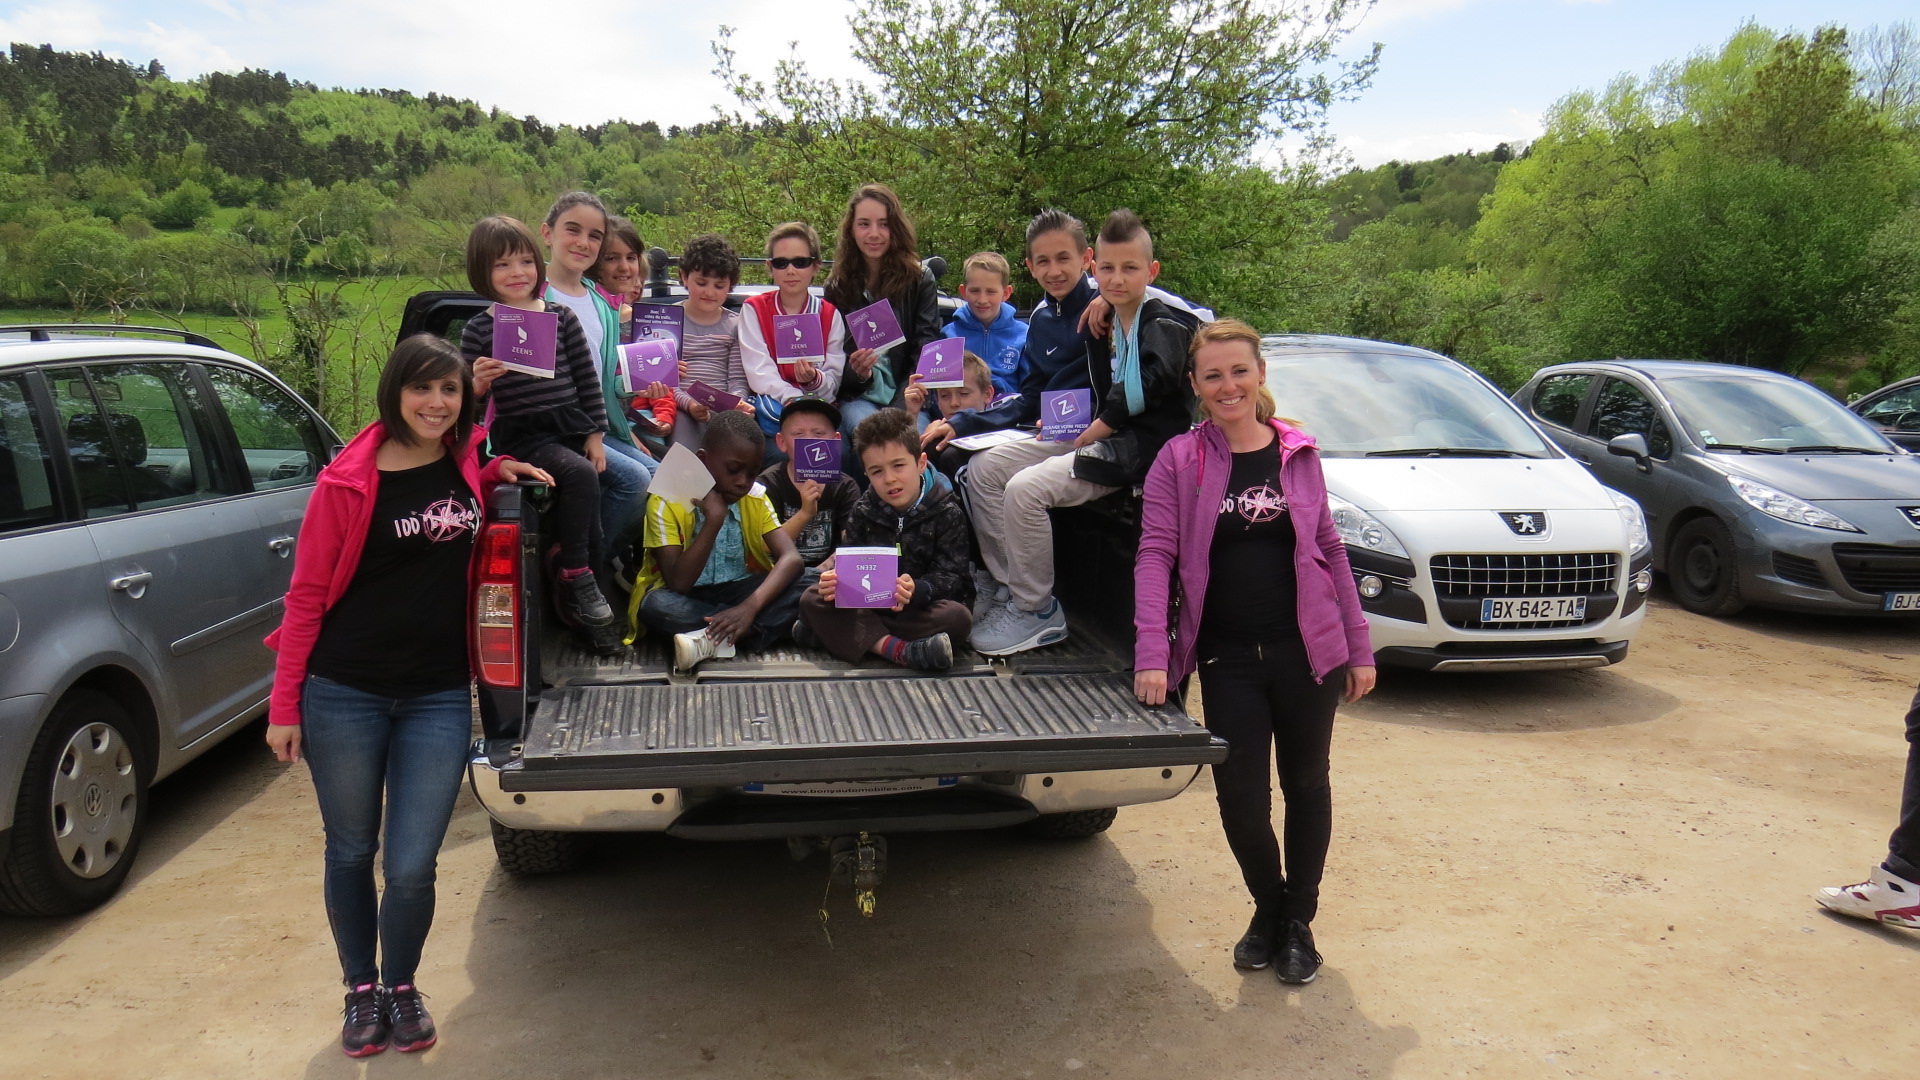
column 861, row 859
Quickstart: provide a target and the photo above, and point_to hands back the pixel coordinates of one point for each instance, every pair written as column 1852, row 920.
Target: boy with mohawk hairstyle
column 934, row 588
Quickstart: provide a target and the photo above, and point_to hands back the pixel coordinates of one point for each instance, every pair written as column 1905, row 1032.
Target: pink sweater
column 331, row 538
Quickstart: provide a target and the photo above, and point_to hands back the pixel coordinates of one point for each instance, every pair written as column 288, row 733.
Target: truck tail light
column 496, row 607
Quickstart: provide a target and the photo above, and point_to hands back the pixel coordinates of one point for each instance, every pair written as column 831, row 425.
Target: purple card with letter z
column 816, row 459
column 874, row 327
column 943, row 363
column 1064, row 414
column 644, row 363
column 866, row 577
column 524, row 340
column 797, row 337
column 717, row 400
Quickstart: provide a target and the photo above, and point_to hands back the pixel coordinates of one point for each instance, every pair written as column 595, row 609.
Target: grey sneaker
column 1011, row 629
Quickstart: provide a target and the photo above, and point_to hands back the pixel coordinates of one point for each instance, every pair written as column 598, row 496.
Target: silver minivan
column 151, row 490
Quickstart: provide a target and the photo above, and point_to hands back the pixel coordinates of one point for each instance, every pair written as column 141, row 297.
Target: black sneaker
column 412, row 1027
column 581, row 602
column 804, row 636
column 366, row 1030
column 930, row 653
column 1254, row 950
column 1298, row 964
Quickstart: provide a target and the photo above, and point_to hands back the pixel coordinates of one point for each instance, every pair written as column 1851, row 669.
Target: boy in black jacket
column 926, row 524
column 1142, row 398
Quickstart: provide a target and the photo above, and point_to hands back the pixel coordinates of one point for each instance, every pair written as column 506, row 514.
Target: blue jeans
column 623, row 489
column 666, row 612
column 356, row 745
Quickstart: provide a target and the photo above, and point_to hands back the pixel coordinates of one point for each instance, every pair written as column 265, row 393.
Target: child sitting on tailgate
column 934, row 591
column 812, row 513
column 722, row 572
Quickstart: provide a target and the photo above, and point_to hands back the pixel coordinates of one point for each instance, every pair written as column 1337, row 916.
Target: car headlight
column 1638, row 539
column 1357, row 528
column 1787, row 508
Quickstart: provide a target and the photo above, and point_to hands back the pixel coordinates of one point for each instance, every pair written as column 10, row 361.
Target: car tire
column 527, row 852
column 81, row 813
column 1072, row 825
column 1702, row 568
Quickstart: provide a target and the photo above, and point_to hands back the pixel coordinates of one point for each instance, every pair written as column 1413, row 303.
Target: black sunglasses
column 781, row 262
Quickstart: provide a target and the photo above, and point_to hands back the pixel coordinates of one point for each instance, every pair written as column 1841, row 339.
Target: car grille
column 1470, row 577
column 1874, row 568
column 1799, row 570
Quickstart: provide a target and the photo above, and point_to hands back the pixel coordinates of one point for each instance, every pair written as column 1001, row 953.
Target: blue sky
column 1456, row 74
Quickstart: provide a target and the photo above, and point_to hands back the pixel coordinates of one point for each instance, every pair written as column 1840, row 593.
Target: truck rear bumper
column 973, row 802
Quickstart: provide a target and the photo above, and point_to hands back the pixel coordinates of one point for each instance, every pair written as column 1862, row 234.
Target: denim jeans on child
column 664, row 611
column 414, row 750
column 623, row 490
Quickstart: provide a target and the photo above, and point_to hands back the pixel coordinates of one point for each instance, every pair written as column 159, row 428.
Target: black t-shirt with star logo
column 1251, row 594
column 400, row 629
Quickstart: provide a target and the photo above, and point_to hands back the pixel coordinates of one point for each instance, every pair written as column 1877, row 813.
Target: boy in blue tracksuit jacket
column 987, row 323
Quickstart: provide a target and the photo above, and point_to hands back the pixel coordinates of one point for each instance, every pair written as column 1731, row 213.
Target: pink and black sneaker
column 412, row 1027
column 366, row 1030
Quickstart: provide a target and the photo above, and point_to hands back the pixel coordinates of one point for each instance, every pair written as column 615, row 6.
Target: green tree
column 184, row 206
column 89, row 266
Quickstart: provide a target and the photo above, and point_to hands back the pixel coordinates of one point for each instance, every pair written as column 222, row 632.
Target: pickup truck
column 793, row 744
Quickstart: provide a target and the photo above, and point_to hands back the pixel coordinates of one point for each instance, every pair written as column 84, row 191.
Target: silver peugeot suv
column 151, row 490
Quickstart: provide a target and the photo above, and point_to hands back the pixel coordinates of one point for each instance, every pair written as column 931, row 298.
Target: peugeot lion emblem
column 1913, row 515
column 1530, row 522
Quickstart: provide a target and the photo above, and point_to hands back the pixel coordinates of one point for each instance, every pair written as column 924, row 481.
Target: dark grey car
column 150, row 495
column 1895, row 410
column 1758, row 488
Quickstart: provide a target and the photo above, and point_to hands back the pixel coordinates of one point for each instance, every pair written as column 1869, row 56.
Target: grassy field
column 358, row 340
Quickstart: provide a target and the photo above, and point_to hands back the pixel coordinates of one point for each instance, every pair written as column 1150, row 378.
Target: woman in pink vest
column 1238, row 553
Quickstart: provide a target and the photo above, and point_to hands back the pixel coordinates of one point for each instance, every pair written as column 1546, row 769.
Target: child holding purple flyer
column 709, row 269
column 776, row 374
column 876, row 261
column 933, row 589
column 813, row 511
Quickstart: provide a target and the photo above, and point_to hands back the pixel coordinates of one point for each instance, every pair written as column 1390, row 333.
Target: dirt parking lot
column 1600, row 873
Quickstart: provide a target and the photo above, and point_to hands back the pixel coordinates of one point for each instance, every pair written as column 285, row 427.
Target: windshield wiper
column 1835, row 449
column 1447, row 451
column 1746, row 449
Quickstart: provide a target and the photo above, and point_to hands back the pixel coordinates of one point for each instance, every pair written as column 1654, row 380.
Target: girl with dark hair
column 620, row 278
column 574, row 231
column 876, row 259
column 1238, row 552
column 373, row 676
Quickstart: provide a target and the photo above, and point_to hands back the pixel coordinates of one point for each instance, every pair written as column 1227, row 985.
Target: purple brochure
column 867, row 576
column 717, row 400
column 524, row 340
column 644, row 363
column 1064, row 414
column 797, row 337
column 874, row 327
column 652, row 321
column 943, row 363
column 816, row 459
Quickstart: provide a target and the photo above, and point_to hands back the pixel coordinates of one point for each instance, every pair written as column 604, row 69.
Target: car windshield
column 1358, row 404
column 1779, row 415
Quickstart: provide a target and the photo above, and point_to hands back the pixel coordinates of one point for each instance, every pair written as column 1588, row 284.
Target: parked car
column 1895, row 410
column 150, row 495
column 1476, row 544
column 1758, row 487
column 794, row 743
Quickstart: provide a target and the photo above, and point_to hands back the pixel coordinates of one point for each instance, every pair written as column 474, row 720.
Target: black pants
column 1263, row 700
column 1903, row 850
column 574, row 521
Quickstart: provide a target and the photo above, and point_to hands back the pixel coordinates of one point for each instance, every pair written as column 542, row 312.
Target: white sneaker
column 1010, row 629
column 690, row 649
column 1886, row 897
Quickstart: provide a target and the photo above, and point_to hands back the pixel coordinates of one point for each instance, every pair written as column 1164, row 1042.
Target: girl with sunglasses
column 793, row 259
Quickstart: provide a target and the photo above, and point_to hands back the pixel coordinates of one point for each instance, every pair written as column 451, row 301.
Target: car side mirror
column 1633, row 445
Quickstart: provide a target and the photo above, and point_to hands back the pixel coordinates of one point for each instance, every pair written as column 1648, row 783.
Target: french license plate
column 1902, row 601
column 843, row 789
column 1532, row 609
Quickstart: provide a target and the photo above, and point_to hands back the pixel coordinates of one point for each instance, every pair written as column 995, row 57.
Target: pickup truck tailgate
column 724, row 734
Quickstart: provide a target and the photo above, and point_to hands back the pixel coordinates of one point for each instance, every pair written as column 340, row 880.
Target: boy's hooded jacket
column 932, row 538
column 332, row 536
column 1165, row 336
column 1180, row 506
column 1000, row 344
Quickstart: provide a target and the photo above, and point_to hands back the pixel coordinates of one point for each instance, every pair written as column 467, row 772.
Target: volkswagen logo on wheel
column 1913, row 515
column 1530, row 522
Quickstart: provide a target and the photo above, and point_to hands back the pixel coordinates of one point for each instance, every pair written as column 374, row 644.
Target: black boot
column 1298, row 964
